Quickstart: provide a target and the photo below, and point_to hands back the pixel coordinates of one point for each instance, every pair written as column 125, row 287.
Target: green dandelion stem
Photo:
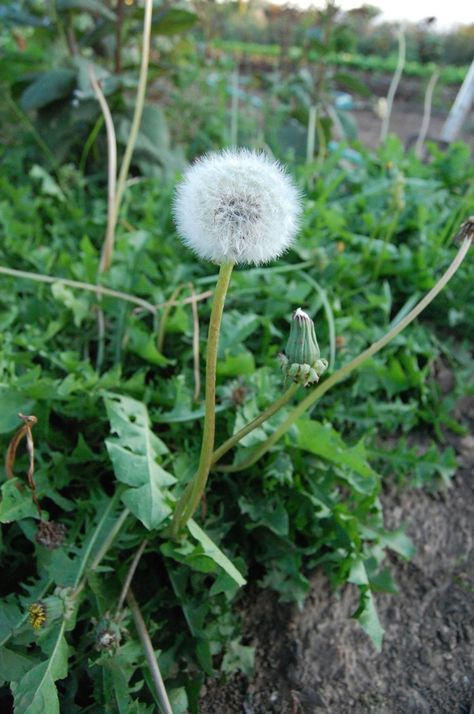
column 192, row 495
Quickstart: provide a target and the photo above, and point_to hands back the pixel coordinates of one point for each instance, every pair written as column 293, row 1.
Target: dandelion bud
column 237, row 206
column 51, row 535
column 302, row 361
column 43, row 612
column 109, row 633
column 302, row 346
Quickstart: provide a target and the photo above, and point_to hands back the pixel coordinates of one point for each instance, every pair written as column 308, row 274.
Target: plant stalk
column 426, row 113
column 346, row 370
column 262, row 417
column 89, row 287
column 394, row 84
column 234, row 108
column 160, row 340
column 77, row 284
column 149, row 653
column 111, row 212
column 118, row 37
column 193, row 493
column 129, row 577
column 139, row 104
column 310, row 134
column 111, row 162
column 103, row 550
column 196, row 343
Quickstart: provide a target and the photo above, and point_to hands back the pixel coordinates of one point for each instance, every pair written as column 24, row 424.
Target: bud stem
column 344, row 371
column 263, row 416
column 193, row 493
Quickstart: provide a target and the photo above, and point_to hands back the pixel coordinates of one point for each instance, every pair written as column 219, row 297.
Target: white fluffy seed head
column 237, row 206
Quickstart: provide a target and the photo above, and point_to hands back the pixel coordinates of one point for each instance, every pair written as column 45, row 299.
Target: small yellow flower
column 38, row 615
column 43, row 612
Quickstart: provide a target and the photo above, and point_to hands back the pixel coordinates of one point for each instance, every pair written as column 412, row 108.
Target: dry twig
column 24, row 431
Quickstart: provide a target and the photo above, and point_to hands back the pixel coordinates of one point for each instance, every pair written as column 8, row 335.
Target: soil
column 407, row 111
column 319, row 660
column 405, row 122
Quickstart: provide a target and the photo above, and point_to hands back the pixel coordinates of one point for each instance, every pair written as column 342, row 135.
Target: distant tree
column 458, row 45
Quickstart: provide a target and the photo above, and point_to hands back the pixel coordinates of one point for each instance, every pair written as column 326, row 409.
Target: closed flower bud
column 109, row 632
column 302, row 346
column 302, row 361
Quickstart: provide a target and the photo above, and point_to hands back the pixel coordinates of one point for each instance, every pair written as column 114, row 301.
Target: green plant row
column 449, row 75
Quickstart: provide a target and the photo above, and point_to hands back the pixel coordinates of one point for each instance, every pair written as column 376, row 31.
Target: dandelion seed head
column 237, row 206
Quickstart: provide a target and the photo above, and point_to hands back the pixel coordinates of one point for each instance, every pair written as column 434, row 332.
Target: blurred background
column 237, row 72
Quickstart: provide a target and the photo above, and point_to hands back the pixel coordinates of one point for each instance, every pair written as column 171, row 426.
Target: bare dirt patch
column 405, row 122
column 407, row 111
column 319, row 660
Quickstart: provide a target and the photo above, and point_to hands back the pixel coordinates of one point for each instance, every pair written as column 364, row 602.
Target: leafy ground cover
column 119, row 412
